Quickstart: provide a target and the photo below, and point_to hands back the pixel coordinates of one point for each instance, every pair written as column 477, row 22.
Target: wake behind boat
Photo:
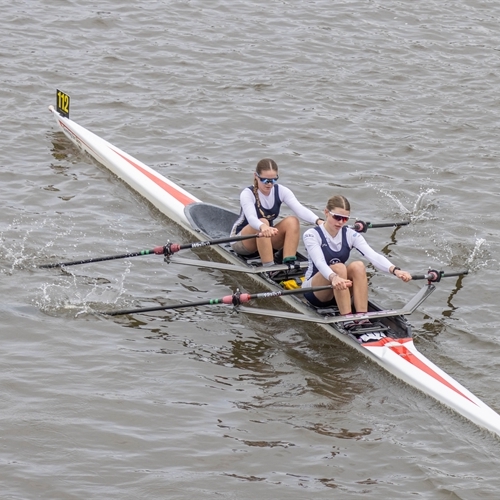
column 387, row 341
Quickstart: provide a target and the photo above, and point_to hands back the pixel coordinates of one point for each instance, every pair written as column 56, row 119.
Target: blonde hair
column 338, row 201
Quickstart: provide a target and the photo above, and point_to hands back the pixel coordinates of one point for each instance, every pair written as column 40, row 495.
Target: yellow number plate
column 62, row 100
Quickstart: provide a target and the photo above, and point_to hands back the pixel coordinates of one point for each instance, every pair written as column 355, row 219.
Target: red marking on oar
column 242, row 297
column 175, row 247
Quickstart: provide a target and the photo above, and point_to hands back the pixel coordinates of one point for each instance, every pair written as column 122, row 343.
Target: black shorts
column 313, row 300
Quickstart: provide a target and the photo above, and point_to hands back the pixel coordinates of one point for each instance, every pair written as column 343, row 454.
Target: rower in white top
column 329, row 247
column 260, row 207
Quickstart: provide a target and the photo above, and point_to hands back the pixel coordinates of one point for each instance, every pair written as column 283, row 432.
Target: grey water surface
column 394, row 104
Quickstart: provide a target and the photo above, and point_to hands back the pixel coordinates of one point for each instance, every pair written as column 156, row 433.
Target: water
column 392, row 104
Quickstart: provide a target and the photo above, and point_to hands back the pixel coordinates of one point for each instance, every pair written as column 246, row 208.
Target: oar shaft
column 101, row 259
column 387, row 224
column 281, row 293
column 235, row 299
column 175, row 247
column 361, row 226
column 224, row 300
column 168, row 249
column 434, row 275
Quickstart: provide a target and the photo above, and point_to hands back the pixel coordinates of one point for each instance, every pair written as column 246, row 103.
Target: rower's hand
column 268, row 231
column 339, row 283
column 402, row 275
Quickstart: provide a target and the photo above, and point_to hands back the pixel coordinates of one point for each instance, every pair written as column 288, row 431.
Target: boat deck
column 216, row 222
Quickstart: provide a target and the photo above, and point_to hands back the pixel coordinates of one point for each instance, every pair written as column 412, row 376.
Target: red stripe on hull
column 402, row 351
column 181, row 197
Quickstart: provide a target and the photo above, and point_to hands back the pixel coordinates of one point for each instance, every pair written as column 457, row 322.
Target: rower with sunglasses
column 328, row 247
column 260, row 207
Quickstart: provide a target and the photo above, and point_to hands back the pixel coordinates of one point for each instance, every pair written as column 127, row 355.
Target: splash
column 476, row 259
column 422, row 206
column 78, row 295
column 397, row 202
column 475, row 250
column 20, row 251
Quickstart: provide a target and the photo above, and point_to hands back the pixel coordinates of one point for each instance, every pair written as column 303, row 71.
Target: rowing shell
column 397, row 355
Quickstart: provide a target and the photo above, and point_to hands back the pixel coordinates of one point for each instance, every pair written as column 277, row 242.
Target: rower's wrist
column 332, row 277
column 394, row 269
column 318, row 221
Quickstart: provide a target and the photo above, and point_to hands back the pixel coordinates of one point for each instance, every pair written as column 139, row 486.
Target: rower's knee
column 357, row 268
column 339, row 269
column 291, row 223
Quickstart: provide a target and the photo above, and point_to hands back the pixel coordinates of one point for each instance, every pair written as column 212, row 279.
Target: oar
column 235, row 299
column 361, row 227
column 168, row 249
column 435, row 276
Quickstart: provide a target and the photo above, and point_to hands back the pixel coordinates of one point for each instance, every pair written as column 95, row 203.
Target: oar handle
column 435, row 276
column 361, row 226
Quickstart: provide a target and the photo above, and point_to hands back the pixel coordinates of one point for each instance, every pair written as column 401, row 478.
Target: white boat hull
column 398, row 356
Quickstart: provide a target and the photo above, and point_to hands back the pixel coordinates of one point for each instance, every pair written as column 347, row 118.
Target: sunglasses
column 339, row 218
column 264, row 180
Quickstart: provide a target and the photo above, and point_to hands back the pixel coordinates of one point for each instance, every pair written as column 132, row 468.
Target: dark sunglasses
column 339, row 218
column 264, row 180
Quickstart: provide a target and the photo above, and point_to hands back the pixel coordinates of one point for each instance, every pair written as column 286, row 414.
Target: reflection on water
column 268, row 361
column 458, row 286
column 326, row 430
column 431, row 328
column 386, row 250
column 63, row 150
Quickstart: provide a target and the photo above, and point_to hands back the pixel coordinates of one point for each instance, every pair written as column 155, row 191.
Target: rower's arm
column 290, row 200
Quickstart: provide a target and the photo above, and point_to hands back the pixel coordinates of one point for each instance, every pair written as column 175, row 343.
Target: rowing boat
column 388, row 342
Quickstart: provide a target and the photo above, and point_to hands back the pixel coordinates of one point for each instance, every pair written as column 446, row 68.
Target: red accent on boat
column 158, row 250
column 407, row 355
column 181, row 197
column 184, row 199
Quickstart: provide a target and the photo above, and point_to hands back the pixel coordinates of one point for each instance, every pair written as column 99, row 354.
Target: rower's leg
column 265, row 247
column 323, row 295
column 342, row 297
column 251, row 244
column 356, row 272
column 288, row 236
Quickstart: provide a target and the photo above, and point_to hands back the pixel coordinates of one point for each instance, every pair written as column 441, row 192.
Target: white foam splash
column 475, row 251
